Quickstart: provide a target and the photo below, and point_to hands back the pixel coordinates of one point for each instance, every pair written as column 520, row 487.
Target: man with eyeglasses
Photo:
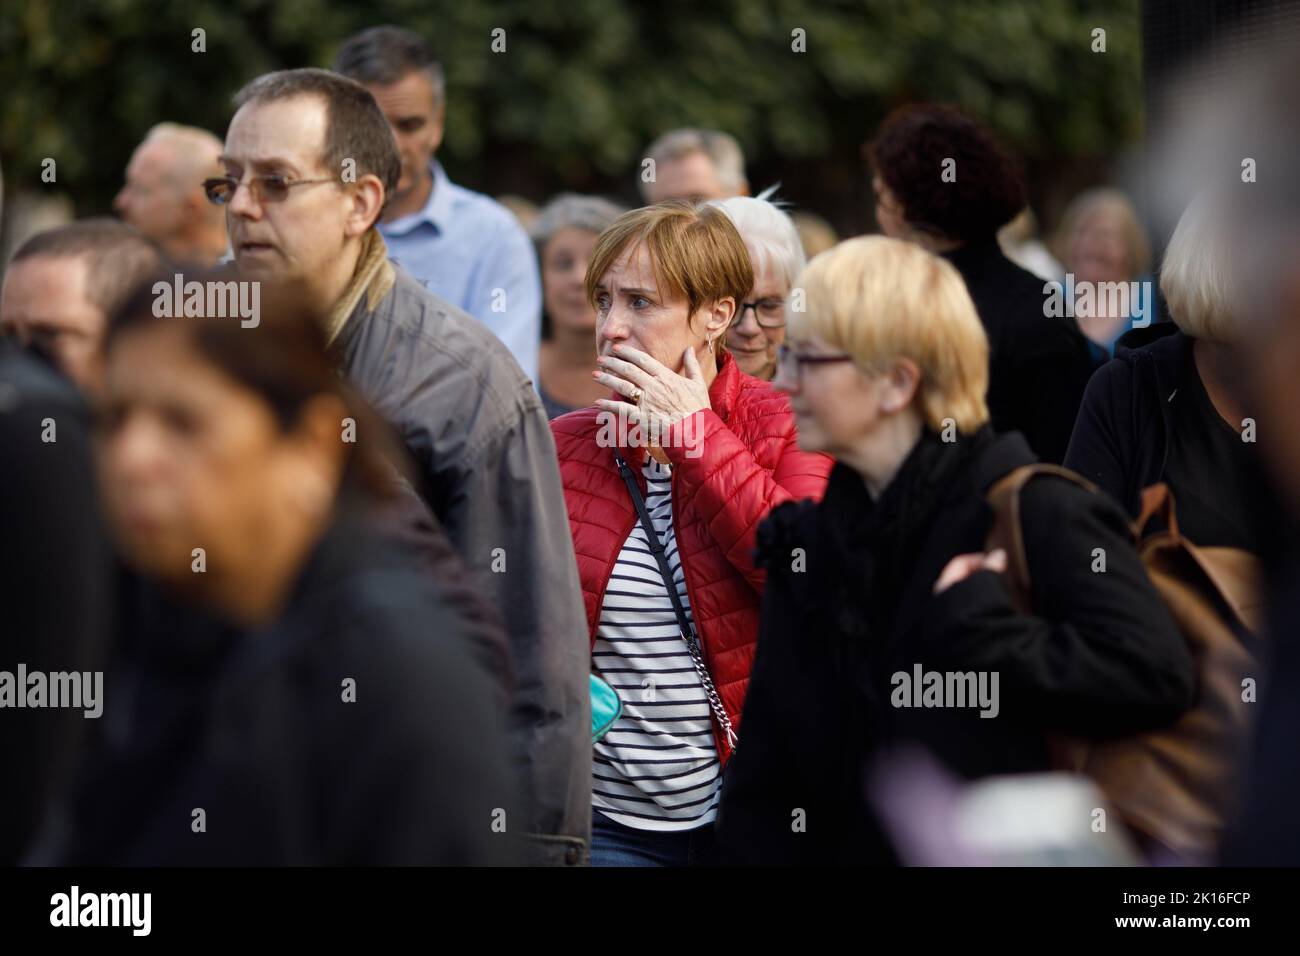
column 310, row 164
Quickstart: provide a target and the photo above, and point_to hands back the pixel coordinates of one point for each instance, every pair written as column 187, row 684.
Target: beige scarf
column 373, row 278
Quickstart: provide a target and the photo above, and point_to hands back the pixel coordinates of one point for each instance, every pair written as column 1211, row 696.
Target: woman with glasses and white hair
column 888, row 575
column 777, row 256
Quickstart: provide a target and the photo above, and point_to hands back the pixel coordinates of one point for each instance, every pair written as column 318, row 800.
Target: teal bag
column 605, row 708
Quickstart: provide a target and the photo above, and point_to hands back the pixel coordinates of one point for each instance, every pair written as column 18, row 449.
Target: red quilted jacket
column 746, row 463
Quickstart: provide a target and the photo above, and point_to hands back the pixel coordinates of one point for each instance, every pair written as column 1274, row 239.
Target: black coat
column 54, row 580
column 1039, row 365
column 1122, row 443
column 1266, row 832
column 1101, row 655
column 1121, row 437
column 254, row 729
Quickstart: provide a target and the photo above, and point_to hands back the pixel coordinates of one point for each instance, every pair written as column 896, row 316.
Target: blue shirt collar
column 436, row 212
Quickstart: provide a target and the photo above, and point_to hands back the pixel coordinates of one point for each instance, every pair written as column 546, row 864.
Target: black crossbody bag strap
column 683, row 625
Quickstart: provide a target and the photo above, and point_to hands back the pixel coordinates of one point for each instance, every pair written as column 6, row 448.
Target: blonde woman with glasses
column 888, row 575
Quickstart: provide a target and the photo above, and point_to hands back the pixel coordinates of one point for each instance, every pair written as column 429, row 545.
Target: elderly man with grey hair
column 163, row 195
column 693, row 164
column 565, row 232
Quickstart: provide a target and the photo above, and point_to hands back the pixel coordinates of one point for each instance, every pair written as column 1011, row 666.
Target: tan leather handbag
column 1174, row 786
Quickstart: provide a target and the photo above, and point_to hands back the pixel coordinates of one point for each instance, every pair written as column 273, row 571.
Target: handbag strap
column 683, row 624
column 1003, row 498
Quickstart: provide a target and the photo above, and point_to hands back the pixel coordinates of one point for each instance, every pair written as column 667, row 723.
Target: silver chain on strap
column 712, row 692
column 683, row 624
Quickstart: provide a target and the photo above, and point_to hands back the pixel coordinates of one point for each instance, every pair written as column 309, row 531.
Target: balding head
column 193, row 152
column 163, row 196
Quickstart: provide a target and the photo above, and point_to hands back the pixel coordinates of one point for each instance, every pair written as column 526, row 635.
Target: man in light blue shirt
column 460, row 244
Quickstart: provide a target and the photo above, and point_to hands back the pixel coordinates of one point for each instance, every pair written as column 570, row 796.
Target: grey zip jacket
column 486, row 462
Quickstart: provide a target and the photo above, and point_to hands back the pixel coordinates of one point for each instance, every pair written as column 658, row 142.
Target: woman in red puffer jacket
column 668, row 480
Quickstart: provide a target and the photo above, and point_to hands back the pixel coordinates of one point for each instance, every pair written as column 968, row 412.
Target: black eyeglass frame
column 785, row 354
column 758, row 316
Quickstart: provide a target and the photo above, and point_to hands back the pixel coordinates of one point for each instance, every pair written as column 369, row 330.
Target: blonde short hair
column 695, row 252
column 1195, row 274
column 881, row 299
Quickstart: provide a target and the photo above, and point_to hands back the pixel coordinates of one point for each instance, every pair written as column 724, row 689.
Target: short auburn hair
column 880, row 299
column 695, row 251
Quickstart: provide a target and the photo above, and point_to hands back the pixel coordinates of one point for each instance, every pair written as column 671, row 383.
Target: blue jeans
column 613, row 844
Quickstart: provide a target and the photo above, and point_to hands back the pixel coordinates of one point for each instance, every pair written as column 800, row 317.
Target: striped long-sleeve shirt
column 657, row 768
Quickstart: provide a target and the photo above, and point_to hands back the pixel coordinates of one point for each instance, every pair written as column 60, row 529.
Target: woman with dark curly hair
column 944, row 182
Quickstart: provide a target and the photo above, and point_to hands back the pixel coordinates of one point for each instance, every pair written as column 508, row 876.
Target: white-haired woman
column 777, row 256
column 565, row 233
column 1170, row 406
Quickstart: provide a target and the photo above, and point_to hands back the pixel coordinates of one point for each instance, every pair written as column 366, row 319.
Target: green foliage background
column 584, row 85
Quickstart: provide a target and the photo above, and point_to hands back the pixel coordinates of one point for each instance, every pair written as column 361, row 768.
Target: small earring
column 710, row 342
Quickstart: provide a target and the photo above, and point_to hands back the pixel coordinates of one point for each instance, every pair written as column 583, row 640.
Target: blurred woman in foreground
column 289, row 678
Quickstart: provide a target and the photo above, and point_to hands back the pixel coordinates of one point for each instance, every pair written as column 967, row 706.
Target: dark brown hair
column 381, row 56
column 355, row 126
column 283, row 360
column 908, row 153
